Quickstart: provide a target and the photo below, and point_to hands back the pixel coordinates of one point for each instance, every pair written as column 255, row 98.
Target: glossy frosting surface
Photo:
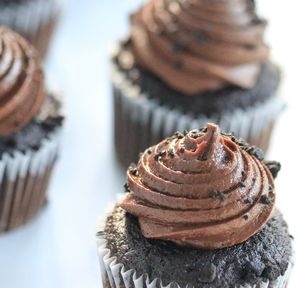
column 200, row 189
column 198, row 45
column 22, row 90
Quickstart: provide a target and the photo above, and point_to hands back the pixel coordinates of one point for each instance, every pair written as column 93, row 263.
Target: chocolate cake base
column 30, row 137
column 262, row 258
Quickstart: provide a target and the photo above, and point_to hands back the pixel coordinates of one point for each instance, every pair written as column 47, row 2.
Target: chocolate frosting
column 200, row 189
column 22, row 89
column 199, row 45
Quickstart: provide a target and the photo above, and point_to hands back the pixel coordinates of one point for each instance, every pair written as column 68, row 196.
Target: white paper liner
column 34, row 19
column 23, row 182
column 149, row 122
column 114, row 274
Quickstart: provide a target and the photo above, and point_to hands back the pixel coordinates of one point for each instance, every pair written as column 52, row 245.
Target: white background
column 58, row 249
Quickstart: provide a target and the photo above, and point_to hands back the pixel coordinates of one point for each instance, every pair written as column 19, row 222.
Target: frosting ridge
column 197, row 45
column 200, row 189
column 22, row 89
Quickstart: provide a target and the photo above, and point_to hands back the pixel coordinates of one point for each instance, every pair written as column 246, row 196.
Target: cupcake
column 199, row 212
column 190, row 62
column 30, row 124
column 34, row 19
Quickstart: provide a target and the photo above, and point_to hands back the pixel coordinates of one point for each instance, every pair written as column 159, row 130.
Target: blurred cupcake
column 30, row 124
column 190, row 62
column 199, row 212
column 34, row 19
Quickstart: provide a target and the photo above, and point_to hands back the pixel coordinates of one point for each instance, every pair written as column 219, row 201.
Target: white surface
column 58, row 249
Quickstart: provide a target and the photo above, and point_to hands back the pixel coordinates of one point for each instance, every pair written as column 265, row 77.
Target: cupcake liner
column 24, row 180
column 34, row 19
column 115, row 275
column 140, row 122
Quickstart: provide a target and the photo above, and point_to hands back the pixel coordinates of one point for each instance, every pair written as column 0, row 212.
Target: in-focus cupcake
column 199, row 212
column 30, row 124
column 34, row 19
column 190, row 62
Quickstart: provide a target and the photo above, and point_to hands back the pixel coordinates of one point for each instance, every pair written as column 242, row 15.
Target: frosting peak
column 200, row 189
column 197, row 45
column 21, row 82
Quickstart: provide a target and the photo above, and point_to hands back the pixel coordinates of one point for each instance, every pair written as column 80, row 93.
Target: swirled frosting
column 200, row 189
column 21, row 82
column 200, row 45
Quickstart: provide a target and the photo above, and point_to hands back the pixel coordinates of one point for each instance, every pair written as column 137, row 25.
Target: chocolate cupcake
column 199, row 212
column 34, row 19
column 30, row 124
column 190, row 62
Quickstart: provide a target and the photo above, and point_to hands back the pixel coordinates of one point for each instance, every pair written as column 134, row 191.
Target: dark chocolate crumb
column 265, row 199
column 162, row 153
column 222, row 197
column 255, row 151
column 249, row 201
column 217, row 194
column 226, row 134
column 214, row 194
column 274, row 167
column 232, row 138
column 171, row 153
column 157, row 157
column 149, row 151
column 196, row 134
column 207, row 273
column 203, row 129
column 178, row 135
column 243, row 173
column 126, row 187
column 203, row 156
column 243, row 184
column 252, row 270
column 133, row 169
column 246, row 216
column 270, row 188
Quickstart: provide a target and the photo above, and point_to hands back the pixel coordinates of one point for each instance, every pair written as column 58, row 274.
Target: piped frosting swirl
column 200, row 45
column 22, row 89
column 201, row 189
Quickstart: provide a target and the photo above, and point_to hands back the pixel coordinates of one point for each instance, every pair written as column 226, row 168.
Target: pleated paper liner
column 34, row 19
column 140, row 122
column 24, row 179
column 114, row 274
